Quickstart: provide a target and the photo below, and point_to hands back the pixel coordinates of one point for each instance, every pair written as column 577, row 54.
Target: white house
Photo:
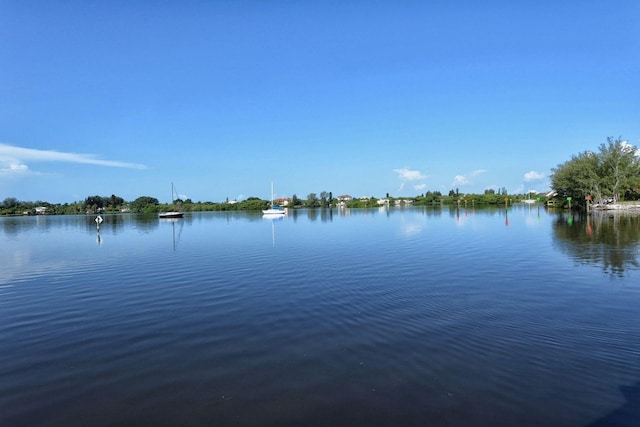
column 282, row 201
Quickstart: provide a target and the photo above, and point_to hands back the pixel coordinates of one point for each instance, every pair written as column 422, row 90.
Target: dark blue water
column 329, row 318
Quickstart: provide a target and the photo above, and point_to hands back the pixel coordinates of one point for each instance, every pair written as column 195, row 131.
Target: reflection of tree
column 456, row 211
column 146, row 223
column 610, row 240
column 12, row 226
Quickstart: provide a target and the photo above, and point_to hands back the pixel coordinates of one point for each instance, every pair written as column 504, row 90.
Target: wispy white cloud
column 420, row 187
column 409, row 175
column 533, row 176
column 14, row 160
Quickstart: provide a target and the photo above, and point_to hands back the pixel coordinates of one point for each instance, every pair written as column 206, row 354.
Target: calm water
column 323, row 318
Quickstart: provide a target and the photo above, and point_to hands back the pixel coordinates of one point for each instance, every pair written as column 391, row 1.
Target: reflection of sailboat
column 173, row 227
column 172, row 214
column 273, row 219
column 273, row 209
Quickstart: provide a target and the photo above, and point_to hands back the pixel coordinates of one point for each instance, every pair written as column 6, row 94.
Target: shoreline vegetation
column 146, row 205
column 603, row 179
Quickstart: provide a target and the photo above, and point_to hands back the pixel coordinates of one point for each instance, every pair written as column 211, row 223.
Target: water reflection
column 626, row 415
column 533, row 217
column 111, row 224
column 146, row 223
column 610, row 240
column 174, row 221
column 12, row 226
column 273, row 219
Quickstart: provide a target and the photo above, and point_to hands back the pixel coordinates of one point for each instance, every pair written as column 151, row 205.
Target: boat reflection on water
column 173, row 222
column 273, row 218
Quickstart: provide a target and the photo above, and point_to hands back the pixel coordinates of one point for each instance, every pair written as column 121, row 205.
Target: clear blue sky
column 353, row 97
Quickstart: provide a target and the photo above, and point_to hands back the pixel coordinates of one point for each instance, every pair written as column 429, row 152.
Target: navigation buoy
column 98, row 222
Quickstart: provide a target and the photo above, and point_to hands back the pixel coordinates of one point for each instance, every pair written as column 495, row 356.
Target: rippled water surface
column 338, row 318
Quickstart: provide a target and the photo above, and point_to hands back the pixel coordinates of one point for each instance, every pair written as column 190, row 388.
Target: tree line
column 609, row 175
column 150, row 205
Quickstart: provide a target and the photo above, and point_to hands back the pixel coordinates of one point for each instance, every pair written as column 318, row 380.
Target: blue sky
column 354, row 97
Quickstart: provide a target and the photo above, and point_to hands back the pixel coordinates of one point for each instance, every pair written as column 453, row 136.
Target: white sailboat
column 529, row 200
column 172, row 214
column 273, row 209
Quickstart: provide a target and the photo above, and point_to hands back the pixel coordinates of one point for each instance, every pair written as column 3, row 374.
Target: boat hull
column 171, row 215
column 273, row 212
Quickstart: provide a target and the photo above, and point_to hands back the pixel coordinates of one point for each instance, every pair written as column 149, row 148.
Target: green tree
column 323, row 199
column 579, row 177
column 608, row 174
column 253, row 204
column 312, row 200
column 94, row 202
column 620, row 167
column 144, row 204
column 115, row 201
column 11, row 205
column 10, row 202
